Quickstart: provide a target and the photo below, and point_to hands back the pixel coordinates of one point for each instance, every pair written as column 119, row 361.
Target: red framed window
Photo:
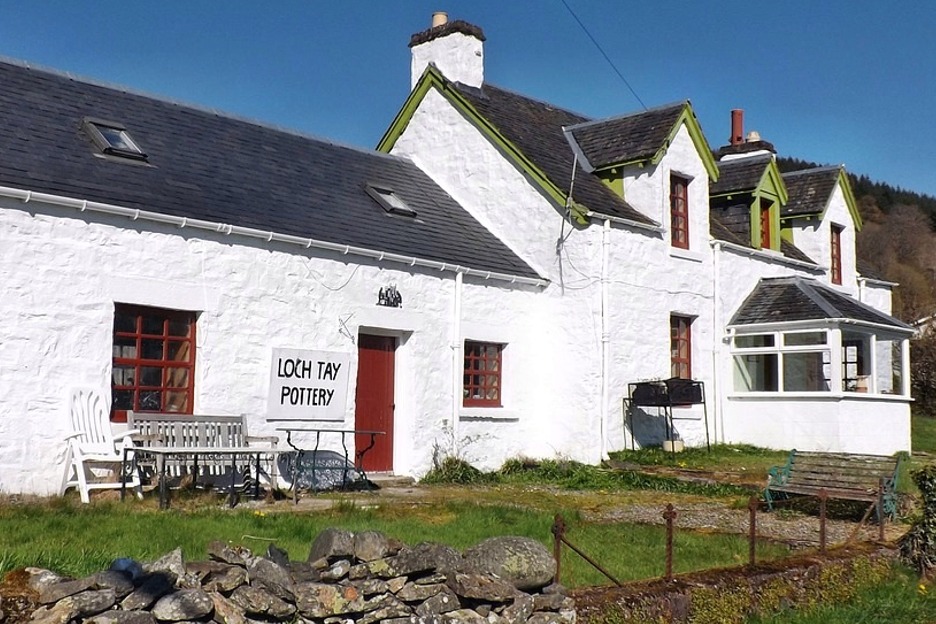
column 482, row 380
column 679, row 211
column 680, row 347
column 765, row 227
column 837, row 254
column 154, row 361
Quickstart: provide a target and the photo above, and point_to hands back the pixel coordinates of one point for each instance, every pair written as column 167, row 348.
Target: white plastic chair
column 95, row 459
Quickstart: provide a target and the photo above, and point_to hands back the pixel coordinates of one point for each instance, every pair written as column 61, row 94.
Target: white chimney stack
column 455, row 48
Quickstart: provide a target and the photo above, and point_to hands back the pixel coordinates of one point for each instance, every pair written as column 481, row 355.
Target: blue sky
column 831, row 81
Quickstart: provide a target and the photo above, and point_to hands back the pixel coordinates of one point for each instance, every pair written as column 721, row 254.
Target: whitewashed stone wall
column 62, row 272
column 814, row 238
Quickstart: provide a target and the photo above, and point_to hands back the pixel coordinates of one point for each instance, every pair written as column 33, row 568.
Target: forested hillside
column 897, row 239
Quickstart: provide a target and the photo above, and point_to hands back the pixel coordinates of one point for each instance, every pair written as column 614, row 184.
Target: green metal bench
column 842, row 476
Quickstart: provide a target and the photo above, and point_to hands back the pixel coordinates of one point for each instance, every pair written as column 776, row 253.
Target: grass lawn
column 74, row 539
column 901, row 600
column 923, row 430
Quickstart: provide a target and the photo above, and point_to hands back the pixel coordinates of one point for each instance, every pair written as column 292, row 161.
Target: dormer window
column 836, row 260
column 765, row 229
column 390, row 201
column 679, row 211
column 113, row 139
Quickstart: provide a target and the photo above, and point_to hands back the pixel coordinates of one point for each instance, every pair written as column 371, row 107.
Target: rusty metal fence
column 670, row 514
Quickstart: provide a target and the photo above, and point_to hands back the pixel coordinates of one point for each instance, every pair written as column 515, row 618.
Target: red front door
column 374, row 401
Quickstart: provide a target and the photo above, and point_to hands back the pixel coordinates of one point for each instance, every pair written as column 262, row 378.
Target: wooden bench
column 194, row 435
column 869, row 478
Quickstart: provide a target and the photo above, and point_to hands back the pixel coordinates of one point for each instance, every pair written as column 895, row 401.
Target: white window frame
column 834, row 347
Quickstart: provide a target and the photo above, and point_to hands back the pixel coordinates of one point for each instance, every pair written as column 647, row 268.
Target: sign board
column 308, row 385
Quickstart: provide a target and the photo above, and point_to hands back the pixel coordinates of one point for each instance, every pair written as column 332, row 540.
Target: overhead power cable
column 604, row 54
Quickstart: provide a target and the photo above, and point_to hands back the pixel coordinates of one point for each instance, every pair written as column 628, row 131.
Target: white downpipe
column 718, row 346
column 268, row 236
column 458, row 362
column 605, row 335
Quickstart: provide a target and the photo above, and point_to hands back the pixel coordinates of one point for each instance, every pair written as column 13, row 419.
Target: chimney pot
column 737, row 127
column 439, row 18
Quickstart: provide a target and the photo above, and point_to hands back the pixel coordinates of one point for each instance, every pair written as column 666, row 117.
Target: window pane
column 152, row 349
column 179, row 351
column 150, row 400
column 754, row 341
column 150, row 376
column 124, row 322
column 177, row 378
column 125, row 348
column 123, row 375
column 179, row 327
column 804, row 338
column 888, row 366
column 806, row 372
column 177, row 402
column 855, row 362
column 122, row 399
column 755, row 373
column 153, row 325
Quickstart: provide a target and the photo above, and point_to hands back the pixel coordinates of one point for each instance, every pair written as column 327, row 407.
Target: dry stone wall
column 348, row 578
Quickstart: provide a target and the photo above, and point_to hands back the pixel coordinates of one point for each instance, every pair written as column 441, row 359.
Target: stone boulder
column 521, row 561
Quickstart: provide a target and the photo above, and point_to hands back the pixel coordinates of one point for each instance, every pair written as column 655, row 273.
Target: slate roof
column 628, row 138
column 536, row 129
column 739, row 175
column 866, row 269
column 205, row 165
column 809, row 190
column 783, row 299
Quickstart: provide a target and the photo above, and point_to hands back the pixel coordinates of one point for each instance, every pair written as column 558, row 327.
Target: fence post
column 669, row 515
column 880, row 510
column 752, row 534
column 558, row 531
column 823, row 499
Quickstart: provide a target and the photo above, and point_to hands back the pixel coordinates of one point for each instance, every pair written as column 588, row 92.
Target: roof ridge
column 205, row 110
column 823, row 169
column 809, row 289
column 746, row 160
column 654, row 109
column 524, row 96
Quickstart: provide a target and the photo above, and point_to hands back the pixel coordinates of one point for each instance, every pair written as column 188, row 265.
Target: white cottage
column 496, row 280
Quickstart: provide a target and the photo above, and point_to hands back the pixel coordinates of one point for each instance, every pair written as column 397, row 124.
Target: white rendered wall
column 648, row 279
column 651, row 280
column 814, row 238
column 458, row 56
column 62, row 272
column 554, row 410
column 877, row 295
column 878, row 426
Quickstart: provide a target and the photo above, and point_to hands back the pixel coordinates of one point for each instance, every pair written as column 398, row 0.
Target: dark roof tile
column 739, row 174
column 784, row 299
column 536, row 129
column 809, row 190
column 204, row 165
column 628, row 138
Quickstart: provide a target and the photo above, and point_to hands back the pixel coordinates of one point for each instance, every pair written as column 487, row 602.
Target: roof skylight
column 390, row 201
column 112, row 138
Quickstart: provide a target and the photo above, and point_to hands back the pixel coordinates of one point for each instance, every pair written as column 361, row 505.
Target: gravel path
column 796, row 529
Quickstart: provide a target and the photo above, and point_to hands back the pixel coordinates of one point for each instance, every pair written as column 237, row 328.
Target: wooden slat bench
column 195, row 437
column 869, row 478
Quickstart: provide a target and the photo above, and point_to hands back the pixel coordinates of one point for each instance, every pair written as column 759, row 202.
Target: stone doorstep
column 390, row 480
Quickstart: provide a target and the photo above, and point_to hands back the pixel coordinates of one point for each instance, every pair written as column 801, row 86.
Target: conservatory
column 814, row 369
